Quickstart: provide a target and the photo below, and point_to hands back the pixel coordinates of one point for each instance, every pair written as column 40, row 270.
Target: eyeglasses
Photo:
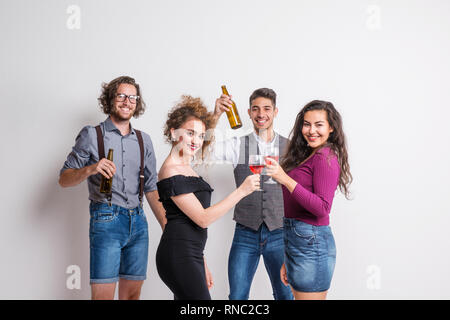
column 121, row 97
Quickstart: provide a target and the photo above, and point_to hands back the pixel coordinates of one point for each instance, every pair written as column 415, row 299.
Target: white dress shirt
column 228, row 150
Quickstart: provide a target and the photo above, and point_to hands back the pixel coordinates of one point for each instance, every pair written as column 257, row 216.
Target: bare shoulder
column 169, row 169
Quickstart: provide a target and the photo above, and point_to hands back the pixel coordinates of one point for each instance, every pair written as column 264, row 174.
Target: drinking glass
column 256, row 164
column 272, row 153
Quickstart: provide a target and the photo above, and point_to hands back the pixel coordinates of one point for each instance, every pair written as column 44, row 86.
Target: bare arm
column 157, row 207
column 191, row 206
column 208, row 274
column 73, row 177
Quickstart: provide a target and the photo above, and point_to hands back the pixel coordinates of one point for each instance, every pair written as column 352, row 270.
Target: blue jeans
column 310, row 255
column 248, row 246
column 118, row 239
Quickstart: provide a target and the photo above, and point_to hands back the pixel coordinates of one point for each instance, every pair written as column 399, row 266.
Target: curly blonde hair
column 189, row 107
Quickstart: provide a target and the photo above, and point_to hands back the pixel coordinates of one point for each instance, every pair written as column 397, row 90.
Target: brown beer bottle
column 106, row 184
column 233, row 114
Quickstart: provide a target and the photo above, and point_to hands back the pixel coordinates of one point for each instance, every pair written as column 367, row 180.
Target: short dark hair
column 264, row 93
column 109, row 91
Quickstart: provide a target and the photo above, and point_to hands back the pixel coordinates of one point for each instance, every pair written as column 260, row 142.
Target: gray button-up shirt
column 125, row 187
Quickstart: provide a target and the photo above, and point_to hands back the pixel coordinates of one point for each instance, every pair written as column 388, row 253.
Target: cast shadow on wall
column 65, row 212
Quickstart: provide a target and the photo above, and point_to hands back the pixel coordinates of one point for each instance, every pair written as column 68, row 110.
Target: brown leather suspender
column 100, row 144
column 141, row 170
column 101, row 155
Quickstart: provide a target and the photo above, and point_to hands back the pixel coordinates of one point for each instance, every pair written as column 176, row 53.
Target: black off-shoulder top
column 179, row 184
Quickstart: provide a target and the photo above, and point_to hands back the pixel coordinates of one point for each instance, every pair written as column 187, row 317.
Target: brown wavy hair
column 109, row 90
column 298, row 149
column 189, row 107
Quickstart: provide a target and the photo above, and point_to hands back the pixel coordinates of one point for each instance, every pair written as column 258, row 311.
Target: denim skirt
column 310, row 255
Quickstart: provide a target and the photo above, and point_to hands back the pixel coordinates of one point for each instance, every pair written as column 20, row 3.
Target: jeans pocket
column 143, row 216
column 104, row 215
column 303, row 230
column 305, row 233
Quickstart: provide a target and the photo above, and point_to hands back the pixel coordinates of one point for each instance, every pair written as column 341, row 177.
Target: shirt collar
column 109, row 126
column 259, row 140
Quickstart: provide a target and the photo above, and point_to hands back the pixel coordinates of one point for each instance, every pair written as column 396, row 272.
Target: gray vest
column 258, row 206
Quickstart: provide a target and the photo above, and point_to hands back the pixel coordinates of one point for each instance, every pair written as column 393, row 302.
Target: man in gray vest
column 259, row 216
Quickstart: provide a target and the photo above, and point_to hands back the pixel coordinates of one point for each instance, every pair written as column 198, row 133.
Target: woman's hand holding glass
column 250, row 184
column 274, row 170
column 256, row 164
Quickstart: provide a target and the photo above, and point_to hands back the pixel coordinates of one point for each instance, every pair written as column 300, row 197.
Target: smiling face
column 123, row 111
column 316, row 128
column 190, row 136
column 262, row 112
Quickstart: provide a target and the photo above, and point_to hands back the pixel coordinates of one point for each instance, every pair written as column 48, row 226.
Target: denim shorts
column 118, row 240
column 310, row 255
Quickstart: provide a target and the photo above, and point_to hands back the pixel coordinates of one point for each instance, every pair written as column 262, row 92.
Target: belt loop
column 288, row 222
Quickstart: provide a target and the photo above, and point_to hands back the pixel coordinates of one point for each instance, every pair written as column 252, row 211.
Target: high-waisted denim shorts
column 310, row 255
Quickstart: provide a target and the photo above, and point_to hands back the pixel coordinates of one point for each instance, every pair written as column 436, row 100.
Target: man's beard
column 116, row 114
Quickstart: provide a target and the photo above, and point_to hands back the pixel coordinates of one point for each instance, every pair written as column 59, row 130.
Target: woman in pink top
column 314, row 165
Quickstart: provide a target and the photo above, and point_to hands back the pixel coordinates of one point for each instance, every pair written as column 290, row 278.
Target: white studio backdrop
column 384, row 64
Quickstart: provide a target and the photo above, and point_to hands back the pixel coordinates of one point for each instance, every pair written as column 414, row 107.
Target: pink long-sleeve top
column 317, row 179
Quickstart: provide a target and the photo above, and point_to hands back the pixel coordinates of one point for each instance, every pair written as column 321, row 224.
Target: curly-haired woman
column 314, row 165
column 186, row 198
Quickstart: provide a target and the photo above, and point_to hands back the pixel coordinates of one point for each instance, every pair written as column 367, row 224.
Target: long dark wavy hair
column 109, row 90
column 298, row 149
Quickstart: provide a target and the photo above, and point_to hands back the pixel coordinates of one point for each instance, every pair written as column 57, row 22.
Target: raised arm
column 191, row 206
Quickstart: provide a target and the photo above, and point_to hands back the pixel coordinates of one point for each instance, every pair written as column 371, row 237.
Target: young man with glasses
column 118, row 232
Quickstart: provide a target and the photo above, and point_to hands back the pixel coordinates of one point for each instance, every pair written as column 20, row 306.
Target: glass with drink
column 272, row 153
column 256, row 164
